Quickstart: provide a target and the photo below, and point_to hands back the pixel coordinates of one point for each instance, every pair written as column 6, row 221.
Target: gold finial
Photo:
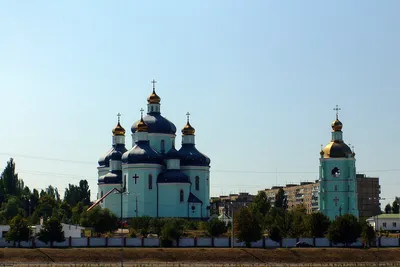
column 154, row 98
column 188, row 129
column 337, row 124
column 118, row 130
column 141, row 126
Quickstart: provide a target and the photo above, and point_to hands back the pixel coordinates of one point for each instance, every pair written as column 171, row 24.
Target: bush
column 172, row 230
column 344, row 230
column 215, row 227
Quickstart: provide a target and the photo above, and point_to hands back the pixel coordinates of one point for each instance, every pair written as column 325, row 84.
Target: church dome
column 156, row 124
column 118, row 130
column 141, row 126
column 115, row 153
column 113, row 177
column 188, row 129
column 172, row 154
column 141, row 153
column 153, row 98
column 190, row 156
column 336, row 149
column 337, row 125
column 172, row 176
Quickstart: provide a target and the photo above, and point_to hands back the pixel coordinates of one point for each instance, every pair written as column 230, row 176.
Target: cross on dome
column 119, row 116
column 141, row 112
column 337, row 111
column 188, row 116
column 154, row 84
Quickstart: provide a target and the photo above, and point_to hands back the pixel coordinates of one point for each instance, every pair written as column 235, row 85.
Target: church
column 155, row 178
column 337, row 176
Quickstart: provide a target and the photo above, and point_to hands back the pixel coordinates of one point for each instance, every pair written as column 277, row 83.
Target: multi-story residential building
column 231, row 203
column 306, row 193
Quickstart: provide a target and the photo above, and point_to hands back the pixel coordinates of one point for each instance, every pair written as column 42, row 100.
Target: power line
column 211, row 170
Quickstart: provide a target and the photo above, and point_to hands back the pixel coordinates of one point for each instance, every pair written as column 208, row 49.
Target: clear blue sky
column 260, row 78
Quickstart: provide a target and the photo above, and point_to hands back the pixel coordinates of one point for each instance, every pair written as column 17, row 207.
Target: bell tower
column 337, row 175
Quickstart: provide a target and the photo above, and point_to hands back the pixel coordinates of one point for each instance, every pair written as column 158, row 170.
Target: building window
column 162, row 146
column 101, row 195
column 150, row 181
column 197, row 183
column 335, row 187
column 394, row 224
column 181, row 195
column 124, row 185
column 384, row 224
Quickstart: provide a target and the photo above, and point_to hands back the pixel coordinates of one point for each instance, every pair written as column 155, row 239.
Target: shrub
column 215, row 227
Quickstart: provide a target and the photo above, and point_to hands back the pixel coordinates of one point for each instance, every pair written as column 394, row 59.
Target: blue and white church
column 156, row 178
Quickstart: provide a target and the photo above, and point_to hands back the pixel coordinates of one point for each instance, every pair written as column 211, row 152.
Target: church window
column 150, row 181
column 101, row 195
column 181, row 196
column 335, row 187
column 197, row 183
column 162, row 146
column 124, row 185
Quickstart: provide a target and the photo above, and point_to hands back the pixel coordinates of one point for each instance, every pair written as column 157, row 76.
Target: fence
column 222, row 242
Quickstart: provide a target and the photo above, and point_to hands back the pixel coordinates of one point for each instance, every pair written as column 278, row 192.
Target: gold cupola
column 188, row 129
column 153, row 98
column 141, row 126
column 118, row 130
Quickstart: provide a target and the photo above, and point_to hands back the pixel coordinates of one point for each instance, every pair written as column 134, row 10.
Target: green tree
column 77, row 193
column 395, row 207
column 101, row 220
column 156, row 225
column 299, row 222
column 344, row 230
column 10, row 209
column 260, row 204
column 77, row 211
column 247, row 226
column 215, row 227
column 9, row 180
column 368, row 234
column 275, row 233
column 280, row 198
column 141, row 225
column 19, row 230
column 172, row 230
column 51, row 231
column 388, row 208
column 65, row 212
column 318, row 224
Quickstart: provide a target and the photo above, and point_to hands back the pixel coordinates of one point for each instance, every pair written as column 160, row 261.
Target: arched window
column 335, row 187
column 150, row 181
column 101, row 195
column 124, row 185
column 162, row 146
column 197, row 183
column 181, row 196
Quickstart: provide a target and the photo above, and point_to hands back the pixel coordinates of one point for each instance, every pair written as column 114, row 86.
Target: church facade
column 337, row 176
column 156, row 179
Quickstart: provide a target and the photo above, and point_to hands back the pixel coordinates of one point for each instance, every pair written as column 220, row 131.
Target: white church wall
column 155, row 141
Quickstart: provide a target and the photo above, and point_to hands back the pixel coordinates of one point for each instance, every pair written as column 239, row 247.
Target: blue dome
column 141, row 153
column 115, row 153
column 172, row 176
column 190, row 156
column 156, row 124
column 172, row 154
column 113, row 177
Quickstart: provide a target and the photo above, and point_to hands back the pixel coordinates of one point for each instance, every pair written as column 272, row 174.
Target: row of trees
column 394, row 208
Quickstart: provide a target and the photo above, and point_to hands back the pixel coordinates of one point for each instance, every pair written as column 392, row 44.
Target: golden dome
column 118, row 130
column 337, row 125
column 188, row 129
column 336, row 149
column 154, row 98
column 141, row 126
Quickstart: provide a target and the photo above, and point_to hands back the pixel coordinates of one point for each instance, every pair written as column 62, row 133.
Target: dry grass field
column 192, row 255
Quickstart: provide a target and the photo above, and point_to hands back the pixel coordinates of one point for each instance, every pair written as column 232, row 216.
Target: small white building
column 3, row 230
column 386, row 222
column 69, row 230
column 225, row 218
